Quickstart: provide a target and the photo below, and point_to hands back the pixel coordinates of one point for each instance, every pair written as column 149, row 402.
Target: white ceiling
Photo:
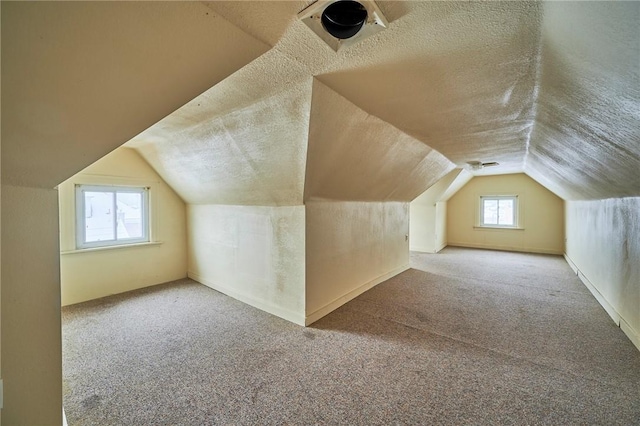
column 537, row 87
column 586, row 141
column 550, row 89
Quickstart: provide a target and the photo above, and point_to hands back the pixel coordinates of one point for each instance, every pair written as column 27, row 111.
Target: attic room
column 311, row 180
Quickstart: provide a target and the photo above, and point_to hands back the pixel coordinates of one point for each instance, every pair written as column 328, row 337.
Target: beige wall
column 427, row 216
column 422, row 227
column 252, row 253
column 90, row 274
column 352, row 246
column 540, row 216
column 441, row 225
column 74, row 87
column 31, row 340
column 603, row 247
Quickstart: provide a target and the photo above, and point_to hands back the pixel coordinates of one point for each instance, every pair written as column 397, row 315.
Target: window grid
column 499, row 211
column 111, row 216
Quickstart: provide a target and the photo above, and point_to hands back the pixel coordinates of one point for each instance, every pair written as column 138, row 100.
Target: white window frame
column 81, row 219
column 483, row 198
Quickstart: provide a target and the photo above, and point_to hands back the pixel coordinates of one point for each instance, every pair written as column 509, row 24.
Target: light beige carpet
column 464, row 337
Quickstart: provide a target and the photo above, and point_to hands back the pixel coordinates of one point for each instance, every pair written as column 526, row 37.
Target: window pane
column 129, row 215
column 490, row 210
column 505, row 212
column 98, row 216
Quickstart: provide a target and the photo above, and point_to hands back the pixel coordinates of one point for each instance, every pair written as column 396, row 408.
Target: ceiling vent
column 342, row 23
column 478, row 165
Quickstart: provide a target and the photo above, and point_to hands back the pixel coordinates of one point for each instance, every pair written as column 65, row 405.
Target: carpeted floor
column 464, row 337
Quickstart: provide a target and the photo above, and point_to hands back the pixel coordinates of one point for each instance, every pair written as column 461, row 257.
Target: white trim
column 439, row 249
column 507, row 248
column 421, row 249
column 632, row 334
column 332, row 306
column 571, row 264
column 615, row 316
column 110, row 180
column 80, row 214
column 516, row 217
column 294, row 317
column 497, row 228
column 114, row 247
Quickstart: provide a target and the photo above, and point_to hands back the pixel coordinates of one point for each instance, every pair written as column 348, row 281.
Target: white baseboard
column 507, row 248
column 632, row 334
column 332, row 306
column 421, row 249
column 615, row 316
column 571, row 264
column 294, row 317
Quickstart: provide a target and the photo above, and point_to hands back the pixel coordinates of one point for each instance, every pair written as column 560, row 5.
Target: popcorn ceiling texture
column 586, row 141
column 545, row 88
column 551, row 89
column 254, row 155
column 356, row 156
column 459, row 77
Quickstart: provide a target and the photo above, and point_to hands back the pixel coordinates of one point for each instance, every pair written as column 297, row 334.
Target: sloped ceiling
column 549, row 89
column 371, row 125
column 355, row 156
column 461, row 77
column 81, row 78
column 586, row 141
column 546, row 89
column 227, row 162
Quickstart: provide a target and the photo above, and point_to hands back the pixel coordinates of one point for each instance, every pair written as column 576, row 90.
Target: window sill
column 118, row 247
column 500, row 228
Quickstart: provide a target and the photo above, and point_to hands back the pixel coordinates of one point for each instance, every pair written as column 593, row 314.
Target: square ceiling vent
column 343, row 23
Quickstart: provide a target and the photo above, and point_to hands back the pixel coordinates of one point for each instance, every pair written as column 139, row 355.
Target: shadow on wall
column 578, row 107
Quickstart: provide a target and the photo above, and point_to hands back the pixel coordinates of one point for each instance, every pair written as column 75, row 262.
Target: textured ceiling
column 546, row 89
column 551, row 89
column 586, row 141
column 355, row 156
column 81, row 78
column 378, row 143
column 460, row 77
column 254, row 155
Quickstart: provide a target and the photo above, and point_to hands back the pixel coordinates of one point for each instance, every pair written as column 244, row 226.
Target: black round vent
column 343, row 19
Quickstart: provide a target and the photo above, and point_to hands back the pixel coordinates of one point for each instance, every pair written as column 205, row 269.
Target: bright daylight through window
column 498, row 211
column 109, row 216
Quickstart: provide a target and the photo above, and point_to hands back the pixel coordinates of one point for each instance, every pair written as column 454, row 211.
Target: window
column 110, row 216
column 499, row 211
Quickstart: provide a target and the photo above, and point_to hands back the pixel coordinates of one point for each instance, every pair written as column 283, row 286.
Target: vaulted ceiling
column 271, row 115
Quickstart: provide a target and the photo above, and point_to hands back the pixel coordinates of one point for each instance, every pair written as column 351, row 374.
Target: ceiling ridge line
column 316, row 78
column 537, row 63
